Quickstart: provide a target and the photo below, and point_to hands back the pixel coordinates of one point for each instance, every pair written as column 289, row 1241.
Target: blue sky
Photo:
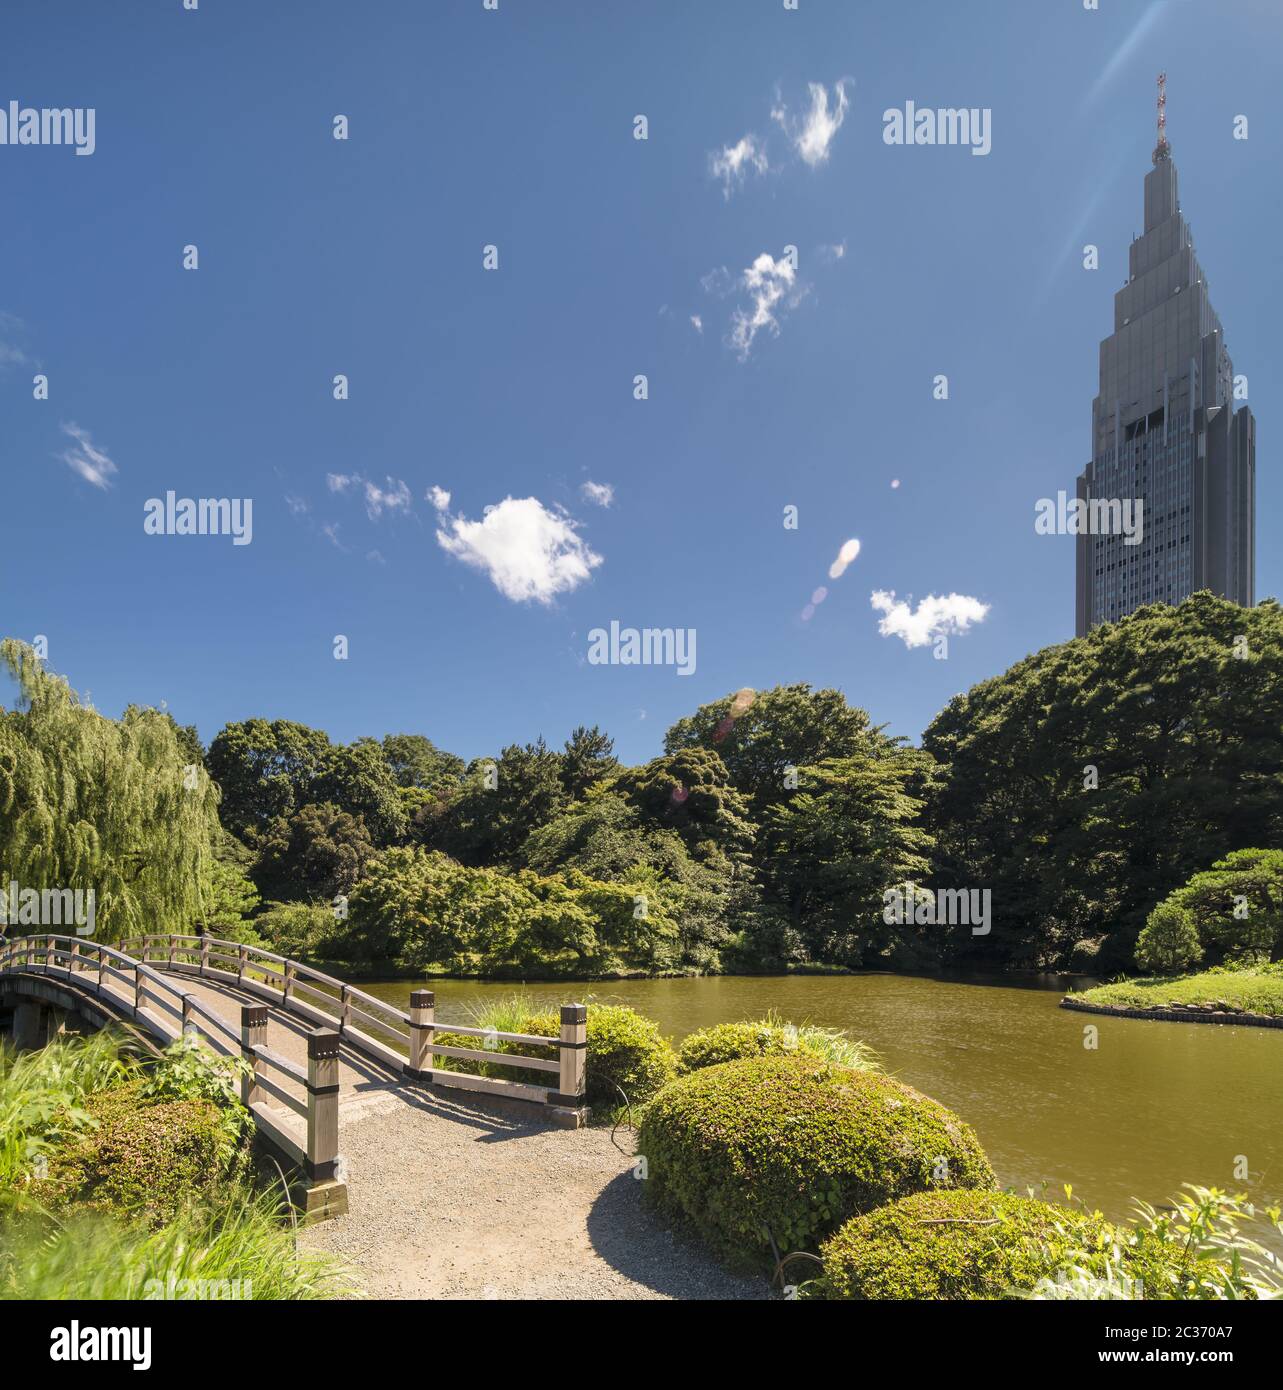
column 515, row 128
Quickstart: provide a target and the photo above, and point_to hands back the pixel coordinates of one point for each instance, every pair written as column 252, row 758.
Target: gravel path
column 451, row 1197
column 449, row 1200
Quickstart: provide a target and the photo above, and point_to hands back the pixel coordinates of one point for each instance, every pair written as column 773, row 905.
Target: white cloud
column 297, row 505
column 340, row 482
column 439, row 497
column 600, row 493
column 813, row 133
column 697, row 323
column 835, row 251
column 772, row 286
column 932, row 618
column 529, row 551
column 87, row 459
column 732, row 163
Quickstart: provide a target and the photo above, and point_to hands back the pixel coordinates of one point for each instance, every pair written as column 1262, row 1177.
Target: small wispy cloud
column 438, row 496
column 298, row 506
column 935, row 616
column 697, row 323
column 330, row 530
column 91, row 462
column 733, row 163
column 772, row 287
column 393, row 496
column 12, row 328
column 602, row 494
column 530, row 552
column 812, row 134
column 832, row 252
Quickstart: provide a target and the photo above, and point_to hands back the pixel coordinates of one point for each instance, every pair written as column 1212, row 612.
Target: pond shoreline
column 1176, row 1015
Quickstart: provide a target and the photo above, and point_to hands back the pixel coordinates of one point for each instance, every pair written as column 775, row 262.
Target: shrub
column 782, row 1150
column 142, row 1158
column 43, row 1095
column 1168, row 944
column 955, row 1245
column 770, row 1037
column 625, row 1051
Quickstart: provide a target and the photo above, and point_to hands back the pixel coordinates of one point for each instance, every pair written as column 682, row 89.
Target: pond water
column 1153, row 1106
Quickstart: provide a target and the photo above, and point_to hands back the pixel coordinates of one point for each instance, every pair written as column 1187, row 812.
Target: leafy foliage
column 1169, row 942
column 319, row 852
column 957, row 1245
column 781, row 1150
column 91, row 803
column 771, row 1037
column 425, row 909
column 1180, row 724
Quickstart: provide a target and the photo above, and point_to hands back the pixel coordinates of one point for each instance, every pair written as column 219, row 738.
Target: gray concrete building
column 1165, row 432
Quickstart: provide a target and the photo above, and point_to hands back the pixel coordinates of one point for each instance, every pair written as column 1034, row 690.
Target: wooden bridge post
column 326, row 1193
column 204, row 952
column 241, row 955
column 253, row 1034
column 573, row 1054
column 138, row 988
column 422, row 1031
column 49, row 949
column 287, row 986
column 74, row 962
column 173, row 950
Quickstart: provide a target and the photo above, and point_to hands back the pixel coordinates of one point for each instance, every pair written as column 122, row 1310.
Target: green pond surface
column 1152, row 1106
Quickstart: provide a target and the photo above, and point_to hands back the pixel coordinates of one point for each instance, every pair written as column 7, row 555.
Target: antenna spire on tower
column 1162, row 150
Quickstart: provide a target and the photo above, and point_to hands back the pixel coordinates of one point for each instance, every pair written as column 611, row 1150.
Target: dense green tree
column 357, row 779
column 1235, row 908
column 760, row 734
column 690, row 791
column 271, row 770
column 501, row 800
column 109, row 805
column 607, row 838
column 415, row 761
column 1168, row 944
column 427, row 910
column 1094, row 777
column 588, row 758
column 846, row 836
column 265, row 770
column 319, row 852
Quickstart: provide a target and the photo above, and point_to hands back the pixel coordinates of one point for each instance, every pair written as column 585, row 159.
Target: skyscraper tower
column 1165, row 431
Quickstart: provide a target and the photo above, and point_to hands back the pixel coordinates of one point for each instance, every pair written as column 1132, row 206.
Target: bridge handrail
column 40, row 955
column 417, row 1045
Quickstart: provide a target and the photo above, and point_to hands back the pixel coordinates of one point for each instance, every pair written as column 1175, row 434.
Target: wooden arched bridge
column 313, row 1042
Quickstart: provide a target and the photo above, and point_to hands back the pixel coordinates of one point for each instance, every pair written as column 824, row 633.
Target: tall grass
column 239, row 1246
column 507, row 1014
column 43, row 1093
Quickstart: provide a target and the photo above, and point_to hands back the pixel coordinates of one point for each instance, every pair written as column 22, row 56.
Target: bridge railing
column 404, row 1040
column 136, row 991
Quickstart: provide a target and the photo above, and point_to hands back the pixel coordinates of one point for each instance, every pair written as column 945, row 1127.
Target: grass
column 1255, row 990
column 238, row 1247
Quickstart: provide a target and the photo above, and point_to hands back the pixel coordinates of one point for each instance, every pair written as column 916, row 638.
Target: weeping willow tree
column 110, row 805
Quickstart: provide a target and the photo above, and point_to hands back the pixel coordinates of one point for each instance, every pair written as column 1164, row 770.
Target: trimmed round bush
column 728, row 1042
column 941, row 1245
column 625, row 1050
column 788, row 1148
